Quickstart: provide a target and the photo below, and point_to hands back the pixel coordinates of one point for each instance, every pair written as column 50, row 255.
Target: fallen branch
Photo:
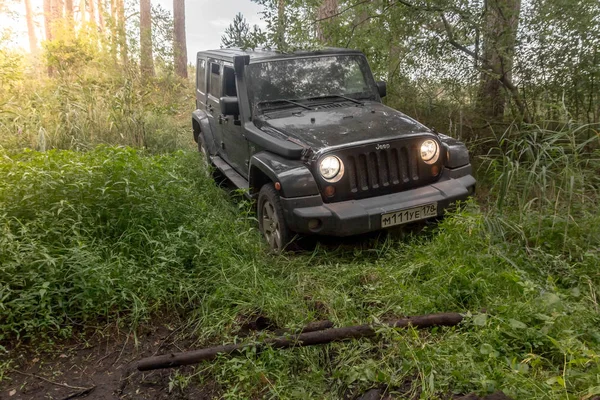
column 310, row 327
column 302, row 339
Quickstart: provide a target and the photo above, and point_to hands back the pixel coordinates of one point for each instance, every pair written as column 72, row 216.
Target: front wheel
column 270, row 219
column 205, row 156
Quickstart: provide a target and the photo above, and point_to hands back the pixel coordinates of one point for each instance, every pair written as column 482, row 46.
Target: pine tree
column 101, row 15
column 239, row 34
column 121, row 31
column 179, row 42
column 69, row 8
column 146, row 59
column 30, row 27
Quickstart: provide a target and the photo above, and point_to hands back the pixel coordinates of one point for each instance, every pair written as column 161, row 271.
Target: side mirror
column 382, row 88
column 229, row 105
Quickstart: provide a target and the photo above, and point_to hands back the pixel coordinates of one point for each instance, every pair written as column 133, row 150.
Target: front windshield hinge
column 307, row 153
column 306, row 150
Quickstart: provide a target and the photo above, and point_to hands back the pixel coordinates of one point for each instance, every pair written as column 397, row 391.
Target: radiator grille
column 397, row 166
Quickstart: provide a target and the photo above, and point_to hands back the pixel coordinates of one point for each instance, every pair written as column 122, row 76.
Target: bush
column 100, row 235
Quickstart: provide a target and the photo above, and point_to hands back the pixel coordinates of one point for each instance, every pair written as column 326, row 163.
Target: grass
column 97, row 104
column 92, row 235
column 121, row 235
column 98, row 233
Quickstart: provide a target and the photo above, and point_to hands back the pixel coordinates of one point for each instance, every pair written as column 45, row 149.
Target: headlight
column 331, row 168
column 430, row 152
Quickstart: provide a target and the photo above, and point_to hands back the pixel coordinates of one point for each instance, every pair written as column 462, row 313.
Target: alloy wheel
column 271, row 226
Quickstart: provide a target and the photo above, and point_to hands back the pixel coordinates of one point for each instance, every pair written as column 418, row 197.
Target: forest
column 116, row 244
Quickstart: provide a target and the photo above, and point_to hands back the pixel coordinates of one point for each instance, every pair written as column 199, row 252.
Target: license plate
column 409, row 215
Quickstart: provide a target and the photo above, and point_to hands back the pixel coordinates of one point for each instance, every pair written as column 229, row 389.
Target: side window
column 201, row 75
column 229, row 88
column 214, row 83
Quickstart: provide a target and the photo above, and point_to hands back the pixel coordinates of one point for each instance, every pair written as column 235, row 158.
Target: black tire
column 204, row 152
column 271, row 221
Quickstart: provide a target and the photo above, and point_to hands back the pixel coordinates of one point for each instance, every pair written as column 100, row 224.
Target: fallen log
column 302, row 339
column 310, row 327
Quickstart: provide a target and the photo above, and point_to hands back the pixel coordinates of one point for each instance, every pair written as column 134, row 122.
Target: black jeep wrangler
column 307, row 136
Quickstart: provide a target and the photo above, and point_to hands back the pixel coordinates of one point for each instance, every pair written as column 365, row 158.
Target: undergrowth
column 107, row 233
column 116, row 234
column 98, row 104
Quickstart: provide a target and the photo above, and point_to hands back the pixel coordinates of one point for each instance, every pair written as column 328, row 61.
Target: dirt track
column 106, row 364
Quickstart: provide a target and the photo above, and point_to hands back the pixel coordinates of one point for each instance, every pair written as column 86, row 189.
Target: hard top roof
column 258, row 55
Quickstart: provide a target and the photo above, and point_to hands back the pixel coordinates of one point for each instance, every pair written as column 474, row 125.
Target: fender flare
column 200, row 124
column 294, row 176
column 457, row 154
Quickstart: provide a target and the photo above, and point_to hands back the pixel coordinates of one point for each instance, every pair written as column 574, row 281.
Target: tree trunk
column 101, row 15
column 48, row 19
column 30, row 27
column 146, row 60
column 324, row 14
column 394, row 60
column 501, row 20
column 114, row 32
column 48, row 26
column 55, row 12
column 121, row 31
column 280, row 33
column 69, row 8
column 179, row 42
column 82, row 11
column 92, row 12
column 60, row 9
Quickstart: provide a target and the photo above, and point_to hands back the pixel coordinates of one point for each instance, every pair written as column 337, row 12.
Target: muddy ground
column 102, row 366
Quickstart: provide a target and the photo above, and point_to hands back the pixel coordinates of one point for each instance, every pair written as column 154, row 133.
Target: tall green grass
column 81, row 109
column 117, row 234
column 106, row 234
column 547, row 184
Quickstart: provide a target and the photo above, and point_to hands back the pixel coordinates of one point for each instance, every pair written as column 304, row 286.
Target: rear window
column 201, row 75
column 229, row 82
column 214, row 84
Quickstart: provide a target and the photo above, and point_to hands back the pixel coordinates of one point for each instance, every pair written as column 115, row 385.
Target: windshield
column 304, row 78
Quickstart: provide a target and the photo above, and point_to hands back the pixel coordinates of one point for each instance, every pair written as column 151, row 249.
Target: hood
column 341, row 125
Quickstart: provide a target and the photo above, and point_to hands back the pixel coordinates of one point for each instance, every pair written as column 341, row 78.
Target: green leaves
column 515, row 324
column 480, row 320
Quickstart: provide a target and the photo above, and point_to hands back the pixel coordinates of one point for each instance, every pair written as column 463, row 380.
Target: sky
column 205, row 20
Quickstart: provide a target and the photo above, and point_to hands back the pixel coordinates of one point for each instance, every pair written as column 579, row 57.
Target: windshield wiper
column 340, row 96
column 283, row 101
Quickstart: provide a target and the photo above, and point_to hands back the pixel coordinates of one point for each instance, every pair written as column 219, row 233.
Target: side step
column 231, row 174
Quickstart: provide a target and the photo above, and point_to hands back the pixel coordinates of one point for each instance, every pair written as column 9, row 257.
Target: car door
column 213, row 108
column 235, row 144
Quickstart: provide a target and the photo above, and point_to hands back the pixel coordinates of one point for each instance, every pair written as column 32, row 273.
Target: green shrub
column 100, row 235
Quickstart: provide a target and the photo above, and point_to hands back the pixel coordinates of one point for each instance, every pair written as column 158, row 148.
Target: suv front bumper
column 353, row 217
